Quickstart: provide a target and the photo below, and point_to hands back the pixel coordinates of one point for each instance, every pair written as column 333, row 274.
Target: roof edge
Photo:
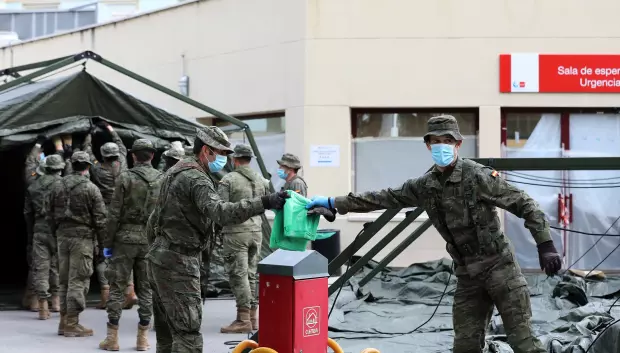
column 102, row 24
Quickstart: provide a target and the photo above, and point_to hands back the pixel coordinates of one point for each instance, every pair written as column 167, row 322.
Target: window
column 519, row 127
column 394, row 140
column 268, row 131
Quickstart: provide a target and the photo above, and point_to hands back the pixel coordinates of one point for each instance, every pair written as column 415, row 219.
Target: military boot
column 241, row 325
column 110, row 343
column 44, row 312
column 130, row 298
column 55, row 303
column 74, row 329
column 254, row 318
column 61, row 324
column 34, row 303
column 105, row 295
column 142, row 343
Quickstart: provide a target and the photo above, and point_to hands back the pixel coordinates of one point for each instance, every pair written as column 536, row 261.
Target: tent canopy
column 68, row 104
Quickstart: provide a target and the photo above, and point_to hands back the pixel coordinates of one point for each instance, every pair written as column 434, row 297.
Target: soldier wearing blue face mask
column 289, row 166
column 460, row 197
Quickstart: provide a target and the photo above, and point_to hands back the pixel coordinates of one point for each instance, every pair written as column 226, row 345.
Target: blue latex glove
column 107, row 253
column 321, row 201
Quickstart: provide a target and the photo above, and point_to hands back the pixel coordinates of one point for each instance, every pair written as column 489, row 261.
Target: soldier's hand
column 550, row 260
column 102, row 124
column 329, row 215
column 68, row 151
column 275, row 201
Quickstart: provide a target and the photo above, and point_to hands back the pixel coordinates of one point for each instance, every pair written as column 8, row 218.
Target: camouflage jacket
column 462, row 207
column 76, row 207
column 32, row 163
column 187, row 214
column 243, row 183
column 104, row 175
column 34, row 204
column 297, row 184
column 134, row 198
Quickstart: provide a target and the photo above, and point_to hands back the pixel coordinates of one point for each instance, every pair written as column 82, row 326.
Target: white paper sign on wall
column 325, row 156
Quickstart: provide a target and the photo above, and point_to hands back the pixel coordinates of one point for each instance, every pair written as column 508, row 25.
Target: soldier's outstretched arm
column 496, row 191
column 87, row 146
column 32, row 161
column 407, row 195
column 206, row 198
column 114, row 211
column 98, row 213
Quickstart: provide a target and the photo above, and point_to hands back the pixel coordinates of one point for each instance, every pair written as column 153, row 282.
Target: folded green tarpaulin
column 293, row 228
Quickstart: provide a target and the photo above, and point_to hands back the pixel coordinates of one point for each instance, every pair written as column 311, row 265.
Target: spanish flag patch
column 494, row 174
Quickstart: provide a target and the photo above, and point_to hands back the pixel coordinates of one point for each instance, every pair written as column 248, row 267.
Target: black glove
column 275, row 201
column 41, row 139
column 549, row 259
column 329, row 215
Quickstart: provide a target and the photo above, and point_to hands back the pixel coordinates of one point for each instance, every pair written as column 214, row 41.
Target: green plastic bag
column 292, row 227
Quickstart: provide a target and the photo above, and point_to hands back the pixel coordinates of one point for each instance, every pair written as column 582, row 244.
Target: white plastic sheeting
column 594, row 209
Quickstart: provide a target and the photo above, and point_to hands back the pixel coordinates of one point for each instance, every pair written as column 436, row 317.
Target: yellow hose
column 370, row 350
column 245, row 345
column 334, row 346
column 263, row 350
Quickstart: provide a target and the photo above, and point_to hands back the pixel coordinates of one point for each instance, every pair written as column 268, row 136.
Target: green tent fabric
column 66, row 104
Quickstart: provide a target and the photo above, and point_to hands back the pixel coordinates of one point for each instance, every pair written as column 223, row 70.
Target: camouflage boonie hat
column 443, row 125
column 242, row 150
column 54, row 162
column 41, row 167
column 213, row 137
column 80, row 156
column 110, row 149
column 175, row 153
column 142, row 145
column 290, row 160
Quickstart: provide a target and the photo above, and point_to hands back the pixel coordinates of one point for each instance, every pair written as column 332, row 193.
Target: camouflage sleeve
column 31, row 164
column 408, row 195
column 87, row 147
column 122, row 148
column 29, row 217
column 223, row 189
column 115, row 210
column 149, row 229
column 299, row 187
column 162, row 163
column 98, row 213
column 49, row 207
column 206, row 198
column 496, row 191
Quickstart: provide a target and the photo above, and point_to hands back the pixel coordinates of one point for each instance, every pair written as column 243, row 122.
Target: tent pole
column 17, row 69
column 57, row 65
column 191, row 102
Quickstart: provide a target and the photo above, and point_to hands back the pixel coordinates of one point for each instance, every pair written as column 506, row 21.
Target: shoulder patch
column 494, row 174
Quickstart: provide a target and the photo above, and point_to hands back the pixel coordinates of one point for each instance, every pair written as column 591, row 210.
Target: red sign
column 553, row 73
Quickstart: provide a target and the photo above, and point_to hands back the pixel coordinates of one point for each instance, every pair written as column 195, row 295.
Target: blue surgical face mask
column 42, row 156
column 218, row 164
column 282, row 174
column 443, row 154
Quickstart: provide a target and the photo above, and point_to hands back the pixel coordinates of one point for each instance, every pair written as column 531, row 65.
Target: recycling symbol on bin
column 311, row 318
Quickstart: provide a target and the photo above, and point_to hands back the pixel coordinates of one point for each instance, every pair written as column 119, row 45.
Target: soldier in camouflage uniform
column 289, row 166
column 32, row 172
column 104, row 175
column 44, row 250
column 126, row 244
column 242, row 242
column 184, row 224
column 460, row 198
column 170, row 157
column 75, row 212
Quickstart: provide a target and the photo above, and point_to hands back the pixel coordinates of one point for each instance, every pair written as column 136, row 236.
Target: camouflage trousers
column 126, row 260
column 45, row 265
column 505, row 287
column 75, row 264
column 101, row 266
column 240, row 252
column 177, row 307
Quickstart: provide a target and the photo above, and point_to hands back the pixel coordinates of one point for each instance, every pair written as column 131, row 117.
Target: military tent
column 64, row 105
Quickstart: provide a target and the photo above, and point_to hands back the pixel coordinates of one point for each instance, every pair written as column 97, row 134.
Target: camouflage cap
column 443, row 125
column 290, row 160
column 142, row 145
column 110, row 149
column 243, row 150
column 175, row 153
column 54, row 162
column 80, row 156
column 213, row 136
column 41, row 167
